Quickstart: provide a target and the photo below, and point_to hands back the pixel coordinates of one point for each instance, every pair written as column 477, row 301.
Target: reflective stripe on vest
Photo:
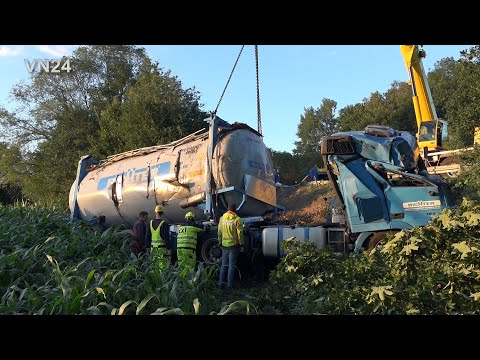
column 157, row 240
column 229, row 231
column 187, row 237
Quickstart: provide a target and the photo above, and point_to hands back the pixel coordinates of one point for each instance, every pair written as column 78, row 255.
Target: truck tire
column 209, row 251
column 377, row 238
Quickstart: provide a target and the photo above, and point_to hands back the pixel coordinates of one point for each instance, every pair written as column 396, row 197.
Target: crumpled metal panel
column 260, row 190
column 400, row 150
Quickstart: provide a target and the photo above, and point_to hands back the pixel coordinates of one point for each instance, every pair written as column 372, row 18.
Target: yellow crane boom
column 429, row 134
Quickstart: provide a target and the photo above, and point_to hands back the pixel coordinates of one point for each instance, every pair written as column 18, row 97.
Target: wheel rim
column 211, row 252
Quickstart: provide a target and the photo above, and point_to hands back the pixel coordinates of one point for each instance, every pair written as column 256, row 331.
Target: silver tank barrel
column 175, row 175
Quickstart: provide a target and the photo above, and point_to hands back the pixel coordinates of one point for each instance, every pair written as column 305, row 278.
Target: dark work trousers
column 229, row 261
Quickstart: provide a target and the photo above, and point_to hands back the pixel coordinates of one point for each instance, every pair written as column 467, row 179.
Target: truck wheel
column 210, row 251
column 376, row 239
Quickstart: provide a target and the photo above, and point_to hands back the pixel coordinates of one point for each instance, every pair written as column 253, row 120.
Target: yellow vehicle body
column 476, row 139
column 429, row 128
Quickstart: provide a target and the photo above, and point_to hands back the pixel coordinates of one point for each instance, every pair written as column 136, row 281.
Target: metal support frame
column 81, row 173
column 233, row 188
column 214, row 122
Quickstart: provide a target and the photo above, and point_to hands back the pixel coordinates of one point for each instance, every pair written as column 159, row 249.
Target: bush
column 468, row 182
column 427, row 270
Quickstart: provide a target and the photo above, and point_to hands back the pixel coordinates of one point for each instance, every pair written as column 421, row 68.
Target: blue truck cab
column 381, row 181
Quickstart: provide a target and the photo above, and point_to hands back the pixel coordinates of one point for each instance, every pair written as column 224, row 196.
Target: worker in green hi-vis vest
column 187, row 242
column 157, row 237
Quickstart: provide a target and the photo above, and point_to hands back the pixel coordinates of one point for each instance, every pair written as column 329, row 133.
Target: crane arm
column 426, row 116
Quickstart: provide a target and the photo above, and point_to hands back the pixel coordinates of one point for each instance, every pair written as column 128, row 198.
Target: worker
column 230, row 237
column 277, row 176
column 157, row 237
column 139, row 245
column 187, row 242
column 314, row 173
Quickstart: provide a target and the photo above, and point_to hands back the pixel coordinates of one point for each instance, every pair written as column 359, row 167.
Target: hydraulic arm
column 429, row 133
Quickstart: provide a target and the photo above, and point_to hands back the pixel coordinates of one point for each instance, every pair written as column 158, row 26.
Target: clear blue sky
column 292, row 77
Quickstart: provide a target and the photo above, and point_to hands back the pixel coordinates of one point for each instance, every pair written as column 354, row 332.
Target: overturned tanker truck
column 375, row 174
column 202, row 173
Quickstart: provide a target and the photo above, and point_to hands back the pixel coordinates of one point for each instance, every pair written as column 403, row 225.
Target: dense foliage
column 313, row 125
column 467, row 184
column 394, row 108
column 427, row 270
column 115, row 99
column 293, row 168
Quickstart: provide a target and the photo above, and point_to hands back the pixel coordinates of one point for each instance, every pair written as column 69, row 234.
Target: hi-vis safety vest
column 157, row 240
column 187, row 237
column 230, row 230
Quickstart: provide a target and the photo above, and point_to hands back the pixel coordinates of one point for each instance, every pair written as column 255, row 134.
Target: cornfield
column 51, row 266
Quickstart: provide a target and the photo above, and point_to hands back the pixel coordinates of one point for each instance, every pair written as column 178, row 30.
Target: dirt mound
column 308, row 204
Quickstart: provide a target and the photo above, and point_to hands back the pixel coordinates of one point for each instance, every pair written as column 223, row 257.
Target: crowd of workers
column 153, row 237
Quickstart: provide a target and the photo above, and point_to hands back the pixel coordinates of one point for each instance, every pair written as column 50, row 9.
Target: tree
column 394, row 108
column 10, row 189
column 315, row 124
column 114, row 99
column 156, row 110
column 100, row 74
column 455, row 89
column 326, row 115
column 400, row 113
column 292, row 167
column 351, row 117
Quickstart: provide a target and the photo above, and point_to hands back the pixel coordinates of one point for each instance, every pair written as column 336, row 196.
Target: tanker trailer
column 202, row 173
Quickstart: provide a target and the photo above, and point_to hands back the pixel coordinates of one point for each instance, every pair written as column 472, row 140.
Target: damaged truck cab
column 381, row 182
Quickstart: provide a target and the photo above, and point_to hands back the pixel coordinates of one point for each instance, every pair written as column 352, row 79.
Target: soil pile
column 306, row 205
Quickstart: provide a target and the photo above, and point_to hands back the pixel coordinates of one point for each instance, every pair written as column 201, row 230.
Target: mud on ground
column 308, row 204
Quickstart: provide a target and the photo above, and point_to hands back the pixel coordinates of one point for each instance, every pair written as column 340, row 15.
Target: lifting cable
column 228, row 81
column 259, row 117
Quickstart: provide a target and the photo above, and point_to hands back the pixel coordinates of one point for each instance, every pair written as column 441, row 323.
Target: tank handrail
column 149, row 149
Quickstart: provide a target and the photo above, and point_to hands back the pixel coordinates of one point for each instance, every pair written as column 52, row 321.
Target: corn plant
column 51, row 266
